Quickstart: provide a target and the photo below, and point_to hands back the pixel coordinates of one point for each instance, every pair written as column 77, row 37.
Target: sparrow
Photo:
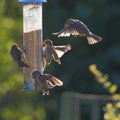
column 16, row 54
column 44, row 82
column 53, row 52
column 78, row 28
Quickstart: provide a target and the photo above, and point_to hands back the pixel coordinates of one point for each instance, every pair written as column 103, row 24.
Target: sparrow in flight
column 77, row 28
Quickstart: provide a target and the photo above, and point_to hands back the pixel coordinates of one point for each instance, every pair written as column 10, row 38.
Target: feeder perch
column 32, row 40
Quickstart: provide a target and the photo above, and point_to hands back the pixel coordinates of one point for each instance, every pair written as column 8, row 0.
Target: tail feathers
column 93, row 39
column 22, row 64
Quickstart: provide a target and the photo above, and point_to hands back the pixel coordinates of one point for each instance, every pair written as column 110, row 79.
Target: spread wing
column 61, row 50
column 56, row 57
column 75, row 29
column 52, row 81
column 67, row 31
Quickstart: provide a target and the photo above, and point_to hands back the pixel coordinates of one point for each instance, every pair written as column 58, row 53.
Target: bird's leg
column 25, row 49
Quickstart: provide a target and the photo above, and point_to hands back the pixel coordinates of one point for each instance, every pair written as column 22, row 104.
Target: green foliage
column 23, row 112
column 103, row 79
column 112, row 110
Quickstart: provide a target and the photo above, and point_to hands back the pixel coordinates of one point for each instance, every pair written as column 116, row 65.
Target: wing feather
column 61, row 50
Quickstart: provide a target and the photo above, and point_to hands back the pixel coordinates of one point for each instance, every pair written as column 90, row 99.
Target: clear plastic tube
column 32, row 42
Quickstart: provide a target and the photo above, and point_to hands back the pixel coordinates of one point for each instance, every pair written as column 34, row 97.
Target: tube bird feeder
column 32, row 40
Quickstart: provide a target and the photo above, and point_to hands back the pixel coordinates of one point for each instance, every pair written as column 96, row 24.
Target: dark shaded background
column 101, row 16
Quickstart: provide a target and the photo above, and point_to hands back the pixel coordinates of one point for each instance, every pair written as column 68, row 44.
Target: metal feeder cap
column 32, row 1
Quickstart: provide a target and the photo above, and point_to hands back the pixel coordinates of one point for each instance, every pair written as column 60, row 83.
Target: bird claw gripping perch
column 25, row 49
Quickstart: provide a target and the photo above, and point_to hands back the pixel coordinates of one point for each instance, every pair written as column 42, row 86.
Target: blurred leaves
column 103, row 79
column 24, row 112
column 112, row 110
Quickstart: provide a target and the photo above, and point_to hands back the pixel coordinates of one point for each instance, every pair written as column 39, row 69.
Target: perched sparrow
column 40, row 83
column 16, row 54
column 77, row 28
column 53, row 52
column 45, row 82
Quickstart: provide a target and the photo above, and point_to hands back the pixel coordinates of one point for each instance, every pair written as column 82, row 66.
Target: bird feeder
column 32, row 40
